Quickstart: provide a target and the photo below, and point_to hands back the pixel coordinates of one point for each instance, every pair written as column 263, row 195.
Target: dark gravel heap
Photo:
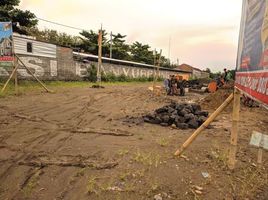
column 182, row 115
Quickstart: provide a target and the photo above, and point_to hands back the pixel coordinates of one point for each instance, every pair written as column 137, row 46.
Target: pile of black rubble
column 181, row 115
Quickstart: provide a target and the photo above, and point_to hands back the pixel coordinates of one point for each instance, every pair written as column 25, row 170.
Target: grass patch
column 30, row 86
column 153, row 188
column 80, row 173
column 123, row 152
column 27, row 190
column 91, row 186
column 149, row 159
column 124, row 176
column 221, row 157
column 162, row 142
column 246, row 184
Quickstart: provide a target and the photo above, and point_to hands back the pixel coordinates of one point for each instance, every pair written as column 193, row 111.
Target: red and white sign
column 252, row 59
column 6, row 58
column 255, row 84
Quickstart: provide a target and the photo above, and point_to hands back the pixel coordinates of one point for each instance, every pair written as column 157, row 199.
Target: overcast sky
column 204, row 33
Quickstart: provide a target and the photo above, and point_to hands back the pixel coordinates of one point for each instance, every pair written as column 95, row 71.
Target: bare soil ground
column 84, row 143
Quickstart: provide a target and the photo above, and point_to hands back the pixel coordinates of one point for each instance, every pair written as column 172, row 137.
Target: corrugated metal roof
column 128, row 62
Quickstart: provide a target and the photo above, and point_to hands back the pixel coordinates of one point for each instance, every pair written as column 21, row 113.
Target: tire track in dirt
column 28, row 145
column 98, row 104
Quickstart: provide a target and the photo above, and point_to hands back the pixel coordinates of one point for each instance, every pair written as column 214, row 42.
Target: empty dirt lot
column 84, row 143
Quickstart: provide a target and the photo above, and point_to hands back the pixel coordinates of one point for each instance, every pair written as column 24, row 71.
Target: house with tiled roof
column 196, row 73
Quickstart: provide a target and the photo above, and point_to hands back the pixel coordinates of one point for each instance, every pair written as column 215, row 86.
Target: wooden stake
column 204, row 125
column 234, row 131
column 32, row 74
column 10, row 77
column 154, row 75
column 259, row 160
column 16, row 76
column 15, row 63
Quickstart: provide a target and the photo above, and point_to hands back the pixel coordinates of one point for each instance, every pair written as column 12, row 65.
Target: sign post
column 234, row 132
column 260, row 141
column 8, row 58
column 7, row 54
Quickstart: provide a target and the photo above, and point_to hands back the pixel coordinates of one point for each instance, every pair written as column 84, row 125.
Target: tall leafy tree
column 55, row 37
column 21, row 19
column 141, row 53
column 120, row 50
column 90, row 42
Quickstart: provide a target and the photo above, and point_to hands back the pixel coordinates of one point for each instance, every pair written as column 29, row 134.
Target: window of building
column 29, row 47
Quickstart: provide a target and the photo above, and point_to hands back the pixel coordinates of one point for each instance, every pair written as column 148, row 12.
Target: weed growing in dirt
column 148, row 159
column 105, row 186
column 81, row 172
column 91, row 186
column 247, row 182
column 162, row 142
column 221, row 157
column 124, row 176
column 153, row 188
column 130, row 187
column 139, row 173
column 27, row 190
column 123, row 152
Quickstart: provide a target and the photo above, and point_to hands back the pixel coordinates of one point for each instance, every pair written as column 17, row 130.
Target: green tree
column 120, row 50
column 90, row 42
column 55, row 37
column 21, row 19
column 141, row 53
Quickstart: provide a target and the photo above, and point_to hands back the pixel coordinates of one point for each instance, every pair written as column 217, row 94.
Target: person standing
column 225, row 75
column 167, row 85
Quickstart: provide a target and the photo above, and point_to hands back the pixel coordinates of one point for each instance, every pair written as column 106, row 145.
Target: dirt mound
column 214, row 100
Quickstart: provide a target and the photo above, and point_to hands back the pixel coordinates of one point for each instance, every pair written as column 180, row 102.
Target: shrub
column 110, row 77
column 91, row 73
column 123, row 78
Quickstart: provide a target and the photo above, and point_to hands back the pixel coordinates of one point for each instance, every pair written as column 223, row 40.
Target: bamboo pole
column 204, row 125
column 154, row 75
column 15, row 63
column 234, row 131
column 33, row 75
column 16, row 76
column 11, row 75
column 99, row 56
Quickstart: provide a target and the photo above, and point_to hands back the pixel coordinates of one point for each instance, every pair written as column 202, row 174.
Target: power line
column 59, row 24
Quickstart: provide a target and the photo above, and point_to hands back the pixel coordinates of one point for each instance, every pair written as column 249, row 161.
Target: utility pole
column 99, row 56
column 158, row 64
column 111, row 45
column 154, row 62
column 169, row 44
column 154, row 75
